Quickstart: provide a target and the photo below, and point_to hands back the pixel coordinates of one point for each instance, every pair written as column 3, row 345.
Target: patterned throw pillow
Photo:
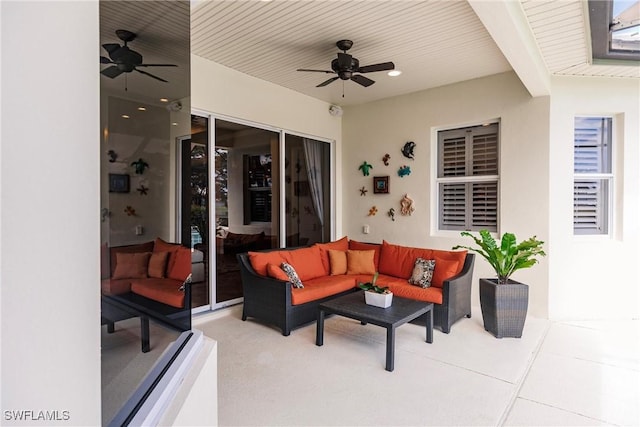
column 293, row 276
column 422, row 272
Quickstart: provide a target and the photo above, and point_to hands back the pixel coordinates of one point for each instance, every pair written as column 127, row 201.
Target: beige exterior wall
column 374, row 129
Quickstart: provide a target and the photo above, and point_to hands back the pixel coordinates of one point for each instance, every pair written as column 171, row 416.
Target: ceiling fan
column 125, row 60
column 346, row 67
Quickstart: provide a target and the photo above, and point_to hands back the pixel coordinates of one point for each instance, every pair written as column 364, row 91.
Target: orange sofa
column 155, row 270
column 331, row 269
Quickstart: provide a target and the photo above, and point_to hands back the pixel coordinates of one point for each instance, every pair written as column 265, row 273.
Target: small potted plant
column 504, row 301
column 376, row 295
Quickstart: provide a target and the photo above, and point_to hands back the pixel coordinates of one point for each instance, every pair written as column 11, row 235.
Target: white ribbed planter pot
column 378, row 300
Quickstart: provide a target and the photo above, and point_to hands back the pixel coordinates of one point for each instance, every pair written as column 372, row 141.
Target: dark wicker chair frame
column 269, row 300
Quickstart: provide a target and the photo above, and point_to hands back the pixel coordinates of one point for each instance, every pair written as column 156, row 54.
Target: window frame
column 600, row 19
column 607, row 208
column 468, row 180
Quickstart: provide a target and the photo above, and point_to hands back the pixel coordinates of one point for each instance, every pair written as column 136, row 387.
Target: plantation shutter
column 468, row 178
column 592, row 174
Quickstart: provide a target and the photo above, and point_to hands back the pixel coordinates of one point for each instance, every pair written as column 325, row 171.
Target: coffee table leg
column 320, row 328
column 391, row 341
column 430, row 326
column 144, row 332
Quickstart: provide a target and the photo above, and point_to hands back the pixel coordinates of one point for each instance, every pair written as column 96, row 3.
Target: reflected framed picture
column 118, row 183
column 381, row 184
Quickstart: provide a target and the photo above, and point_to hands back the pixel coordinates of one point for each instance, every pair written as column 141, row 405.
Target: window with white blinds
column 593, row 177
column 468, row 178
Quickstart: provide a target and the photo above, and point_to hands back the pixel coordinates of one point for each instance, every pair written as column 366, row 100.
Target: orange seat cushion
column 338, row 261
column 131, row 265
column 360, row 262
column 403, row 289
column 321, row 287
column 115, row 286
column 359, row 246
column 166, row 291
column 337, row 245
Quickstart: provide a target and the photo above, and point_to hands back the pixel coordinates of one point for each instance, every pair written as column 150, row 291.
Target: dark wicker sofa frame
column 269, row 300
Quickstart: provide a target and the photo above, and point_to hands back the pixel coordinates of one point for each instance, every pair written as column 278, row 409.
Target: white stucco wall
column 50, row 236
column 595, row 276
column 374, row 129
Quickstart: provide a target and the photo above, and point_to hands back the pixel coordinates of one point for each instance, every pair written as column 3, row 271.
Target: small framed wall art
column 118, row 183
column 381, row 184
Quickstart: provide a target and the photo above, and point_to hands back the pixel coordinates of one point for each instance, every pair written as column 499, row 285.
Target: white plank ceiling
column 433, row 43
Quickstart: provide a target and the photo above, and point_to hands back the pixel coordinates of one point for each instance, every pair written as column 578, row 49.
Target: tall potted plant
column 504, row 301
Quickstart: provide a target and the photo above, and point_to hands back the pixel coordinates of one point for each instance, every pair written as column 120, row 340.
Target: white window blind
column 592, row 175
column 468, row 178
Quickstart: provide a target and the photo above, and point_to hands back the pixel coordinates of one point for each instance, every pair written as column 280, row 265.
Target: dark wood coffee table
column 402, row 310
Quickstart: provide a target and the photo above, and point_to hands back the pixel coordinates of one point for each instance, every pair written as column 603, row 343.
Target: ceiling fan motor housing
column 345, row 73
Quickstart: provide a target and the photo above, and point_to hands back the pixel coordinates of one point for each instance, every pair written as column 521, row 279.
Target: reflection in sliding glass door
column 246, row 180
column 307, row 190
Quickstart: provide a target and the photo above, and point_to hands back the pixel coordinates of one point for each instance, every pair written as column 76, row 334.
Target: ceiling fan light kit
column 348, row 68
column 335, row 110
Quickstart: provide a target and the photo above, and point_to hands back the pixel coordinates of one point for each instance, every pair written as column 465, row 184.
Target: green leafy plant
column 372, row 287
column 509, row 256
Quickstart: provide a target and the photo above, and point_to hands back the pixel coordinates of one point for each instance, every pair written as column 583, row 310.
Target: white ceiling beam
column 508, row 26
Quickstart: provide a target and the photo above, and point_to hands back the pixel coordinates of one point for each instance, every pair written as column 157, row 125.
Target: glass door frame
column 212, row 117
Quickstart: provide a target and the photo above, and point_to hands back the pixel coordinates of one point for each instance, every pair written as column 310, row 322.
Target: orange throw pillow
column 131, row 265
column 359, row 246
column 274, row 270
column 158, row 264
column 338, row 261
column 445, row 269
column 181, row 267
column 360, row 262
column 160, row 245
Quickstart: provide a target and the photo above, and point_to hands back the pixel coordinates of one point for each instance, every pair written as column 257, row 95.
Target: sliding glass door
column 269, row 189
column 307, row 190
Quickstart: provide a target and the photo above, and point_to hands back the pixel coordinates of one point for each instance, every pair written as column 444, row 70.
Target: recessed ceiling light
column 174, row 124
column 124, row 116
column 394, row 73
column 164, row 100
column 142, row 109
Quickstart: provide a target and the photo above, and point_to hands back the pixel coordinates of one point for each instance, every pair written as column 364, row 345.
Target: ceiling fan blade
column 344, row 60
column 315, row 71
column 111, row 72
column 111, row 47
column 104, row 60
column 362, row 80
column 156, row 65
column 151, row 75
column 326, row 82
column 377, row 67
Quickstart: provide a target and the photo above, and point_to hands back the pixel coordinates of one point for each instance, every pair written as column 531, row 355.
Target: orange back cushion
column 160, row 245
column 181, row 267
column 307, row 262
column 259, row 260
column 450, row 264
column 398, row 261
column 337, row 245
column 359, row 246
